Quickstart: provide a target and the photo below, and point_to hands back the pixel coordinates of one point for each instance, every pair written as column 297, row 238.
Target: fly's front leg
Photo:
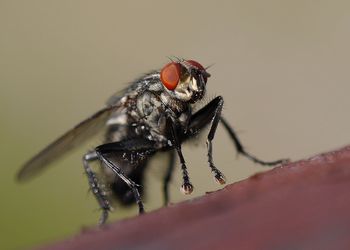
column 96, row 187
column 216, row 106
column 211, row 113
column 187, row 187
column 140, row 146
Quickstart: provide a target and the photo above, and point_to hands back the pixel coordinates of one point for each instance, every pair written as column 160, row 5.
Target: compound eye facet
column 170, row 75
column 196, row 64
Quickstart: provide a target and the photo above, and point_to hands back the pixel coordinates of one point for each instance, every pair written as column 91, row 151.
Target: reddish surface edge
column 301, row 205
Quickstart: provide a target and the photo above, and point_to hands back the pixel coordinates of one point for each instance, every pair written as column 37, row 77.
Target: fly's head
column 185, row 80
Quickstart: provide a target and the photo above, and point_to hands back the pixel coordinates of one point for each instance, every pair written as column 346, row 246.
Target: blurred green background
column 282, row 67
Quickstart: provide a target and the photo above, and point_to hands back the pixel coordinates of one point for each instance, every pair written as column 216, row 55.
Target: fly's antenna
column 175, row 59
column 170, row 58
column 211, row 65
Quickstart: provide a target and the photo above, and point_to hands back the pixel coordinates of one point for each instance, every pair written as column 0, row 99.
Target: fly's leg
column 209, row 114
column 95, row 186
column 132, row 185
column 167, row 177
column 187, row 187
column 129, row 146
column 219, row 102
column 206, row 115
column 240, row 149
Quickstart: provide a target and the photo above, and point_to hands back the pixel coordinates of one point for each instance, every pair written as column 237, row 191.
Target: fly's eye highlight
column 170, row 75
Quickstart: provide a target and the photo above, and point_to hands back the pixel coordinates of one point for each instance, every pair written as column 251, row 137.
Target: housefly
column 155, row 113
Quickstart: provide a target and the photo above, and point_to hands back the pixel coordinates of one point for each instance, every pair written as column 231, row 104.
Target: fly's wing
column 71, row 139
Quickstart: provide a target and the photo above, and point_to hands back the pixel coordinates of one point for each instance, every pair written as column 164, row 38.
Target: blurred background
column 281, row 66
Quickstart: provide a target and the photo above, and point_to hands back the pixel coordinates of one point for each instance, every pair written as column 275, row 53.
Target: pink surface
column 302, row 205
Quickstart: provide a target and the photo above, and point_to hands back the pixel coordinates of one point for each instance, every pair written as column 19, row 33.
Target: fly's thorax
column 150, row 112
column 173, row 104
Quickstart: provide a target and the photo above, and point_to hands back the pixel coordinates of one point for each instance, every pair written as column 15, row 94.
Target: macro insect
column 155, row 113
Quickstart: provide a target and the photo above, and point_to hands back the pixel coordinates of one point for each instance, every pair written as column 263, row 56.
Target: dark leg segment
column 207, row 114
column 186, row 187
column 120, row 190
column 133, row 145
column 167, row 177
column 240, row 149
column 219, row 102
column 96, row 188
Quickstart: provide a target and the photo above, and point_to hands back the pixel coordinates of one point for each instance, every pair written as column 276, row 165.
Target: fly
column 153, row 114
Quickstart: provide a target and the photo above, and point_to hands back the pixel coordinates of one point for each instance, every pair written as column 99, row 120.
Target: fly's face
column 185, row 80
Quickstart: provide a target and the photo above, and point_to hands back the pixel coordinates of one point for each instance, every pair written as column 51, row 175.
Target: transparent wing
column 71, row 139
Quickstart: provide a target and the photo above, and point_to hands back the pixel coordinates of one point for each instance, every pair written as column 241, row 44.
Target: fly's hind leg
column 141, row 147
column 96, row 187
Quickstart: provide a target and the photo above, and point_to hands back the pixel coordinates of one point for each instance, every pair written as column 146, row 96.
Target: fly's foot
column 103, row 217
column 219, row 177
column 285, row 161
column 187, row 188
column 141, row 209
column 274, row 163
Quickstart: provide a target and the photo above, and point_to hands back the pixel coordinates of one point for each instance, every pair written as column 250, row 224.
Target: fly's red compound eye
column 196, row 64
column 170, row 75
